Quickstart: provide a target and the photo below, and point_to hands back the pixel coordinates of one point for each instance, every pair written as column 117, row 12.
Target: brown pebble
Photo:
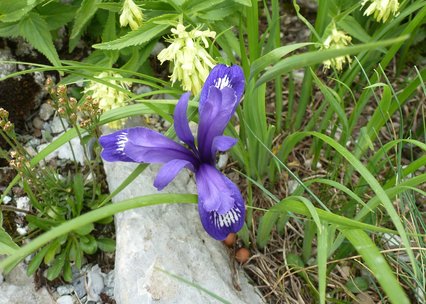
column 37, row 133
column 242, row 255
column 38, row 123
column 230, row 240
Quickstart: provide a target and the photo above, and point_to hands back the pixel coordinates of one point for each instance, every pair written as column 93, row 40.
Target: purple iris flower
column 220, row 204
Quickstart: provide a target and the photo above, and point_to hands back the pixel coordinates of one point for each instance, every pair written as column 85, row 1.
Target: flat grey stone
column 18, row 288
column 168, row 237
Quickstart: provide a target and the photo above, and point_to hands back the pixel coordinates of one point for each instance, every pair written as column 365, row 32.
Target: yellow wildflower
column 131, row 15
column 191, row 61
column 337, row 40
column 381, row 9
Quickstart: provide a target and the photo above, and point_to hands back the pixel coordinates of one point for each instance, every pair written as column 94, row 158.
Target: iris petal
column 219, row 225
column 181, row 121
column 222, row 143
column 169, row 171
column 213, row 194
column 218, row 111
column 143, row 145
column 113, row 146
column 221, row 77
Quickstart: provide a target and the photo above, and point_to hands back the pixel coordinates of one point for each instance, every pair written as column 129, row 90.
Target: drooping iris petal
column 113, row 146
column 220, row 225
column 169, row 171
column 214, row 119
column 221, row 77
column 222, row 143
column 181, row 121
column 213, row 194
column 143, row 145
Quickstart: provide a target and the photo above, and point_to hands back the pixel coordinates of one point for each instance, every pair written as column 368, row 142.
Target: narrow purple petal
column 219, row 225
column 169, row 171
column 113, row 146
column 213, row 194
column 218, row 111
column 221, row 77
column 143, row 145
column 223, row 143
column 181, row 121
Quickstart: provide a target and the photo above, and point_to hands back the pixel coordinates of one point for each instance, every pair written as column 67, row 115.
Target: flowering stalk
column 336, row 40
column 381, row 9
column 191, row 61
column 220, row 204
column 131, row 15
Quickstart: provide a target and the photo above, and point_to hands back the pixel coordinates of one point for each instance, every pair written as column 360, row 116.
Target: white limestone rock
column 168, row 237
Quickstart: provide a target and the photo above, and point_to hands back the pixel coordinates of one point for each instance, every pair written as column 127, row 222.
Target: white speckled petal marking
column 227, row 219
column 220, row 83
column 122, row 139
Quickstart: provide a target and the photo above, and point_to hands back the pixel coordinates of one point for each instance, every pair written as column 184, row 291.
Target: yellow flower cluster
column 131, row 15
column 337, row 40
column 381, row 9
column 108, row 96
column 191, row 61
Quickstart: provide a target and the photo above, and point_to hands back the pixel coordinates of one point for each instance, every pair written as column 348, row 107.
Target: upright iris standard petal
column 181, row 121
column 219, row 225
column 214, row 118
column 222, row 143
column 222, row 77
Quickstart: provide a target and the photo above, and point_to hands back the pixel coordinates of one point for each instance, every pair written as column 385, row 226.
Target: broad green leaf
column 9, row 29
column 85, row 230
column 88, row 244
column 141, row 36
column 106, row 244
column 315, row 57
column 84, row 14
column 266, row 223
column 377, row 264
column 350, row 25
column 57, row 14
column 36, row 31
column 14, row 10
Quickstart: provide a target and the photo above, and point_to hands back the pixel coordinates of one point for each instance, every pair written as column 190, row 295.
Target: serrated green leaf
column 9, row 29
column 106, row 244
column 57, row 14
column 141, row 36
column 84, row 14
column 36, row 31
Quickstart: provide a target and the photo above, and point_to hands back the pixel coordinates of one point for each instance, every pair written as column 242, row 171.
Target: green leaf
column 266, row 223
column 57, row 14
column 88, row 244
column 14, row 10
column 377, row 264
column 7, row 245
column 140, row 37
column 36, row 31
column 78, row 187
column 36, row 260
column 9, row 29
column 56, row 268
column 106, row 244
column 85, row 230
column 86, row 11
column 358, row 284
column 315, row 57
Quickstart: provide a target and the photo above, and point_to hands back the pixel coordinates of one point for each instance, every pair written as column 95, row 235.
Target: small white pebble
column 23, row 203
column 6, row 199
